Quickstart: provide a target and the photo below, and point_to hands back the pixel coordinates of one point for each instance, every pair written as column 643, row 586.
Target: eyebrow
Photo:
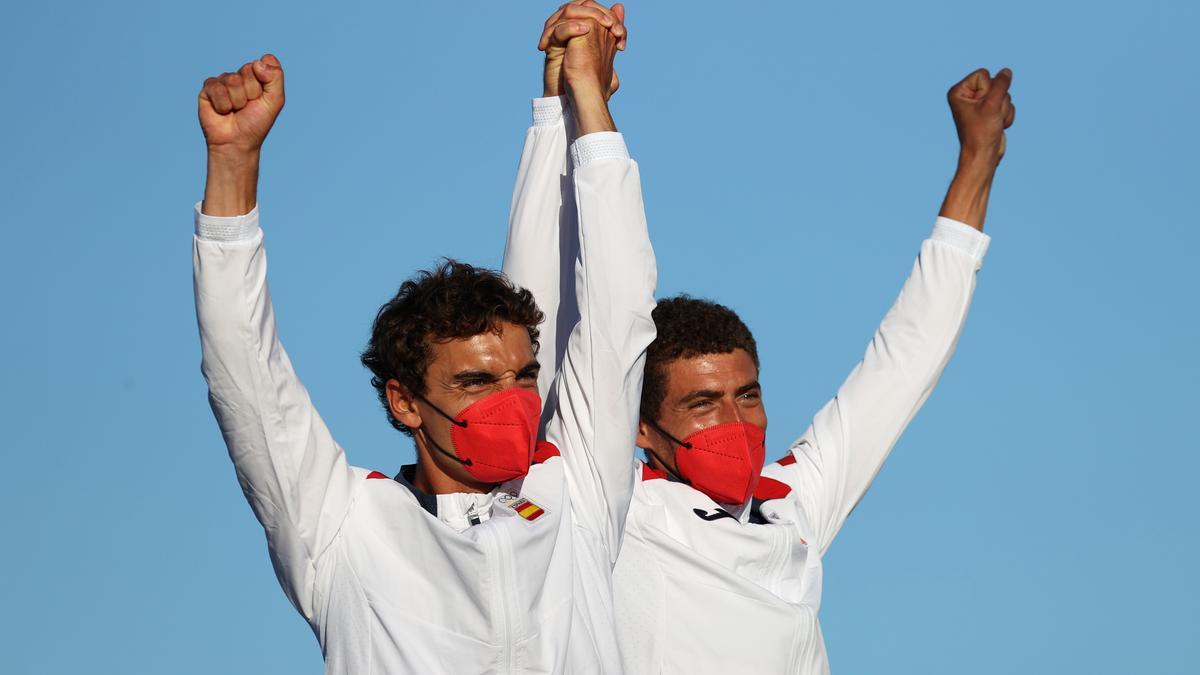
column 531, row 368
column 713, row 393
column 748, row 388
column 473, row 375
column 701, row 393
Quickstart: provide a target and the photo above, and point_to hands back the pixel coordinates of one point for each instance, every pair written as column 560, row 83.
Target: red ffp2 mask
column 494, row 437
column 723, row 461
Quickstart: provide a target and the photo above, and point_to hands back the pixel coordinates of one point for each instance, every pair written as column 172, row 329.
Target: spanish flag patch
column 527, row 509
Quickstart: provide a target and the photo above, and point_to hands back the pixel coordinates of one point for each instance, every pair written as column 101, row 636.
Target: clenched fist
column 238, row 109
column 983, row 109
column 236, row 113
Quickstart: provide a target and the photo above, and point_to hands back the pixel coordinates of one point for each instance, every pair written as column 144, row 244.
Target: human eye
column 528, row 380
column 474, row 382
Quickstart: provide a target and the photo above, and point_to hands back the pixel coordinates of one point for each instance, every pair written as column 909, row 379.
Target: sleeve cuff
column 962, row 237
column 598, row 146
column 235, row 228
column 549, row 110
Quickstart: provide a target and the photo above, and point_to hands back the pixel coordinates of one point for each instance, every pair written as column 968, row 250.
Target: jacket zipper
column 501, row 594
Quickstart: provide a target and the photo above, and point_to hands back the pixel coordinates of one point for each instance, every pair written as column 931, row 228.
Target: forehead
column 507, row 348
column 718, row 372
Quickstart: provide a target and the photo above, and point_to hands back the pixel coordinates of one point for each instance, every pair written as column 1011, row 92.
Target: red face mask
column 494, row 437
column 722, row 461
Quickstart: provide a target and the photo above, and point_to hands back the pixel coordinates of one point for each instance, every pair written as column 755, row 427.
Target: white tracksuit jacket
column 395, row 581
column 700, row 590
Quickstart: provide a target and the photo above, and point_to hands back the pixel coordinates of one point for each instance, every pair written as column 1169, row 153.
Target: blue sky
column 1040, row 514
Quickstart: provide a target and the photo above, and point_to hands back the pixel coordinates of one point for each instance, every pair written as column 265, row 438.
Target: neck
column 657, row 461
column 432, row 480
column 658, row 458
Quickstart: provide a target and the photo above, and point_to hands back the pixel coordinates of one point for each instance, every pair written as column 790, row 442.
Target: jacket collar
column 459, row 510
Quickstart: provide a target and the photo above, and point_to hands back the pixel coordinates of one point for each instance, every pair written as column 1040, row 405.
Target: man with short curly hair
column 452, row 301
column 688, row 327
column 436, row 309
column 494, row 552
column 721, row 569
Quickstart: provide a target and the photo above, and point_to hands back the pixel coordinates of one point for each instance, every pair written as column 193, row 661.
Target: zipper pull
column 473, row 516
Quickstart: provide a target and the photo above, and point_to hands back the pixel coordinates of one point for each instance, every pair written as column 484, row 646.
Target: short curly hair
column 689, row 327
column 453, row 300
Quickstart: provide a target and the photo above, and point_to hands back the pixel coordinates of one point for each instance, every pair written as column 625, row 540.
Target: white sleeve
column 830, row 467
column 599, row 385
column 543, row 241
column 292, row 472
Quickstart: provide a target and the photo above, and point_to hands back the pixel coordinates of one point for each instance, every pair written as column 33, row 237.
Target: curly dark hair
column 689, row 327
column 453, row 300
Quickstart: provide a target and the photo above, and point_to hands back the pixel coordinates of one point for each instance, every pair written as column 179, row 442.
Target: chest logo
column 522, row 506
column 527, row 509
column 717, row 514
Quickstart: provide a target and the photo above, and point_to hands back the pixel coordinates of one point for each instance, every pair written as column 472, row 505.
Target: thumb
column 269, row 72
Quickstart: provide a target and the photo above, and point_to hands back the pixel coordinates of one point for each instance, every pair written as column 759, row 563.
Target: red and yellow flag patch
column 527, row 509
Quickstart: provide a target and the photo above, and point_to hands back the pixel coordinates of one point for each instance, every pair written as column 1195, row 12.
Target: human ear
column 644, row 435
column 402, row 404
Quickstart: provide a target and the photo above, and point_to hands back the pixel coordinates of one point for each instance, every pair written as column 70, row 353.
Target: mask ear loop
column 676, row 441
column 455, row 422
column 462, row 424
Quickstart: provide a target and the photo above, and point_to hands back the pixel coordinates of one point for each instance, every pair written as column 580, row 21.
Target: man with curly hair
column 720, row 568
column 493, row 553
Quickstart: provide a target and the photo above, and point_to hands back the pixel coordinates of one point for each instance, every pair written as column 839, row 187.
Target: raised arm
column 292, row 472
column 543, row 242
column 599, row 385
column 830, row 467
column 539, row 254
